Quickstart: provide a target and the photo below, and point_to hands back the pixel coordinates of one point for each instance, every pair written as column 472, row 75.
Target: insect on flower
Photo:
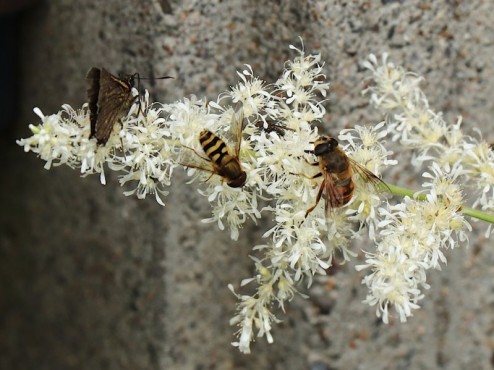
column 271, row 126
column 109, row 98
column 220, row 160
column 338, row 170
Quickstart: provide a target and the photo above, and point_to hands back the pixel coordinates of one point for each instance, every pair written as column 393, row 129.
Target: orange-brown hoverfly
column 220, row 159
column 338, row 170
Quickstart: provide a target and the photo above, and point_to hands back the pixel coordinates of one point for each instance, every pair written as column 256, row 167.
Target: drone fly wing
column 369, row 177
column 189, row 157
column 236, row 129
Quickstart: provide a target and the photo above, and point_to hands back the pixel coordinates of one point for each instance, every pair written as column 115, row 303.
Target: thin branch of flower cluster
column 414, row 233
column 276, row 152
column 416, row 126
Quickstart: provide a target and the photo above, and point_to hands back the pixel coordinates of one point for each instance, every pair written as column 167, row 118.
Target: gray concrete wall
column 93, row 279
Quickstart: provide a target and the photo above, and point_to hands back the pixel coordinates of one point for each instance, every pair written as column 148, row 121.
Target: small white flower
column 394, row 281
column 56, row 140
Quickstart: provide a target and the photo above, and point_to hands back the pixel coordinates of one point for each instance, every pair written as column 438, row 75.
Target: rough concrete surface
column 91, row 279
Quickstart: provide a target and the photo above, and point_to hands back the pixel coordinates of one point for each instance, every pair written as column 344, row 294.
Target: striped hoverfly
column 220, row 159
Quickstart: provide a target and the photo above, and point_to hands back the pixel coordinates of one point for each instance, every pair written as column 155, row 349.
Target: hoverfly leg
column 315, row 176
column 196, row 153
column 311, row 164
column 212, row 174
column 307, row 177
column 318, row 198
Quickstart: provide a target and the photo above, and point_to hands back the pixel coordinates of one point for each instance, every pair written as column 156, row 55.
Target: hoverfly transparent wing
column 236, row 130
column 334, row 197
column 331, row 196
column 191, row 158
column 369, row 177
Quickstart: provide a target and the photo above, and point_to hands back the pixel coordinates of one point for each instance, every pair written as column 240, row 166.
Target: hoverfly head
column 325, row 145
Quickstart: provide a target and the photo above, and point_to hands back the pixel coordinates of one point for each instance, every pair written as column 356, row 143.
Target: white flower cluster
column 412, row 236
column 303, row 245
column 278, row 138
column 275, row 146
column 141, row 150
column 397, row 94
column 414, row 233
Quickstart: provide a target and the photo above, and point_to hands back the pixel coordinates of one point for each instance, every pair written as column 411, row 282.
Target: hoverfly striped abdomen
column 225, row 164
column 214, row 147
column 221, row 160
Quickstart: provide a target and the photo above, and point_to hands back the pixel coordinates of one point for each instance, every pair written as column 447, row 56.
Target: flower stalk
column 404, row 192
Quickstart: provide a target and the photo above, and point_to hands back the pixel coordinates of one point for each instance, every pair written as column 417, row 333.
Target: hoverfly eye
column 322, row 148
column 333, row 143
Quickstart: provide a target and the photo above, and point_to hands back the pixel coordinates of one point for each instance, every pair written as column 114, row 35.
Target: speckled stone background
column 91, row 279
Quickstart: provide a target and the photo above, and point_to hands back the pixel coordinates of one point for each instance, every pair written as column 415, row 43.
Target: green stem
column 397, row 190
column 478, row 214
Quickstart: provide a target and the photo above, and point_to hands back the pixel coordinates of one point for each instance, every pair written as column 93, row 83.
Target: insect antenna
column 137, row 77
